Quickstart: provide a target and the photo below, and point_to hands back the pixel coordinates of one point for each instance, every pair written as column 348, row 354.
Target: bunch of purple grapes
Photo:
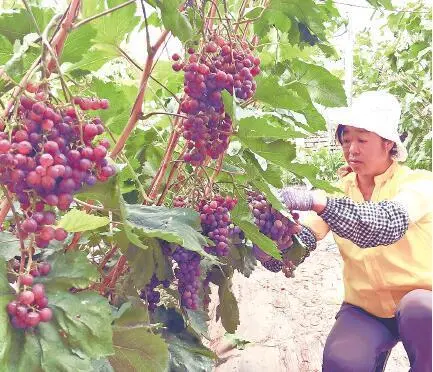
column 149, row 294
column 215, row 222
column 30, row 305
column 187, row 273
column 220, row 66
column 274, row 225
column 47, row 158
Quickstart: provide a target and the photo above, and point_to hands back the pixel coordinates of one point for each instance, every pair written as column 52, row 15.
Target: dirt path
column 287, row 320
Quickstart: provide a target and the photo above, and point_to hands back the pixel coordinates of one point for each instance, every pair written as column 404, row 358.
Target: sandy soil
column 287, row 320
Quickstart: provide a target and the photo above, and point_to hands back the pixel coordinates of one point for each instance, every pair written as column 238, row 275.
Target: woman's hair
column 339, row 136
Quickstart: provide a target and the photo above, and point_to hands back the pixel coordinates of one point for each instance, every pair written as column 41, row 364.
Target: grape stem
column 17, row 222
column 105, row 12
column 107, row 257
column 59, row 39
column 136, row 109
column 172, row 142
column 5, row 207
column 175, row 166
column 214, row 175
column 153, row 78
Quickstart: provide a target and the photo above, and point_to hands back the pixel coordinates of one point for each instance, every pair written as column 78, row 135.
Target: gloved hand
column 296, row 198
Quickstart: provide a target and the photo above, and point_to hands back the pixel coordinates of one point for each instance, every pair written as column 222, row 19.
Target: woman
column 383, row 230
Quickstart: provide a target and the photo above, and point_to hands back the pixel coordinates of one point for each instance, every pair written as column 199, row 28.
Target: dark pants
column 361, row 342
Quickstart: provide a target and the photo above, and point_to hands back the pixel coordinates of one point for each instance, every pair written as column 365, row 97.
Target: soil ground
column 285, row 320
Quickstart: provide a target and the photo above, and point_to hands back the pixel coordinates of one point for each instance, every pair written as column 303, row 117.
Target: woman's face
column 366, row 152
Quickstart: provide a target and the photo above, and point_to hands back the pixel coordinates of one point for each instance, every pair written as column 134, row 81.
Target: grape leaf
column 6, row 295
column 55, row 356
column 9, row 245
column 85, row 318
column 266, row 127
column 76, row 221
column 136, row 349
column 188, row 354
column 241, row 216
column 278, row 152
column 228, row 307
column 132, row 313
column 323, row 87
column 174, row 225
column 71, row 269
column 174, row 20
column 6, row 50
column 16, row 25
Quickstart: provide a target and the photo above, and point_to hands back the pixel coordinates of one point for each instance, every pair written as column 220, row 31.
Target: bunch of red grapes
column 46, row 158
column 215, row 222
column 187, row 273
column 274, row 225
column 30, row 306
column 150, row 295
column 219, row 66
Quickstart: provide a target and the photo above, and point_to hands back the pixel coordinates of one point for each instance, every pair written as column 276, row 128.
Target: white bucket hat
column 378, row 112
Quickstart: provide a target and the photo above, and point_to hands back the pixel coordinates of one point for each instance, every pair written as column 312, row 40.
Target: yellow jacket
column 376, row 279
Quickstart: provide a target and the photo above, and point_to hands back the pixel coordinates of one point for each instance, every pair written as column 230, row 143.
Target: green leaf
column 16, row 25
column 94, row 58
column 174, row 225
column 141, row 265
column 271, row 17
column 267, row 126
column 254, row 12
column 23, row 57
column 76, row 220
column 174, row 20
column 113, row 27
column 24, row 353
column 278, row 152
column 9, row 245
column 323, row 87
column 241, row 216
column 71, row 269
column 229, row 104
column 271, row 92
column 78, row 43
column 136, row 349
column 105, row 192
column 198, row 322
column 228, row 307
column 102, row 365
column 6, row 50
column 85, row 318
column 187, row 354
column 55, row 356
column 6, row 330
column 309, row 171
column 387, row 4
column 132, row 313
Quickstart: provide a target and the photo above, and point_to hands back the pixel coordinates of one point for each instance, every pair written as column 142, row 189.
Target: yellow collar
column 351, row 180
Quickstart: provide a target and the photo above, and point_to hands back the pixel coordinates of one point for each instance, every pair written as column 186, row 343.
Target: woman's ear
column 389, row 145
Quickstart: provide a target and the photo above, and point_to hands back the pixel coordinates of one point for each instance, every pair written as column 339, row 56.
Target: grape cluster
column 215, row 222
column 179, row 202
column 274, row 225
column 30, row 306
column 91, row 103
column 187, row 273
column 45, row 159
column 219, row 66
column 149, row 294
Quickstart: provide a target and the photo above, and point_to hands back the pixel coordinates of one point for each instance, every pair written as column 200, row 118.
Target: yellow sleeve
column 315, row 223
column 415, row 194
